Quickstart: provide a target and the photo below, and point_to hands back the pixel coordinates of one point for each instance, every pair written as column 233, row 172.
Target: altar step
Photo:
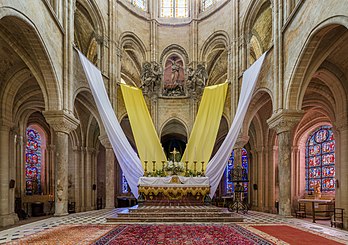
column 203, row 214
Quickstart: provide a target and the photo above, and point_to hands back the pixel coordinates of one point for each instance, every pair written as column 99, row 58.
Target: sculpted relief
column 175, row 81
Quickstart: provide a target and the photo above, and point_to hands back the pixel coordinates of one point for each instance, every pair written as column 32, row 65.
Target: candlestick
column 145, row 173
column 186, row 166
column 163, row 165
column 202, row 168
column 194, row 167
column 154, row 167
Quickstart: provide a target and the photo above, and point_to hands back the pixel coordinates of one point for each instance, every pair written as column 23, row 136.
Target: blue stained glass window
column 230, row 166
column 320, row 159
column 124, row 184
column 33, row 162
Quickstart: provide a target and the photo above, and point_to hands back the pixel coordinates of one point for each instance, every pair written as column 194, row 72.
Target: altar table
column 174, row 187
column 314, row 201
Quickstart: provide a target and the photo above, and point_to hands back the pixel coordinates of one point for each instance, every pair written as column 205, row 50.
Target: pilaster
column 110, row 172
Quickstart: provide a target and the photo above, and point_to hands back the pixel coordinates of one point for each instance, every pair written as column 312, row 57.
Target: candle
column 187, row 154
column 145, row 155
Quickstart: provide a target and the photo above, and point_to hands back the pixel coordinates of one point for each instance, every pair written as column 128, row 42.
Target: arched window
column 207, row 3
column 230, row 166
column 174, row 8
column 124, row 184
column 139, row 3
column 34, row 160
column 320, row 160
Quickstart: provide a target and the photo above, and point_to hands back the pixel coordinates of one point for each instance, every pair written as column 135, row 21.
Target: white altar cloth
column 167, row 181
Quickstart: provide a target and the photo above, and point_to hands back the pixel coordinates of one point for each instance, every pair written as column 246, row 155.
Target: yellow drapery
column 145, row 135
column 206, row 126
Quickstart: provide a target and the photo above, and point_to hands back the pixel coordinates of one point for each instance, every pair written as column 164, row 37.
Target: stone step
column 173, row 219
column 175, row 214
column 177, row 209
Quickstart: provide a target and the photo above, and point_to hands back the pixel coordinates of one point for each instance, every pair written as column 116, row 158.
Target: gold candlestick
column 145, row 174
column 154, row 167
column 163, row 165
column 186, row 166
column 202, row 172
column 194, row 167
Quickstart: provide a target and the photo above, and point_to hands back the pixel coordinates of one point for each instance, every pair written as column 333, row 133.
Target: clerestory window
column 139, row 3
column 174, row 8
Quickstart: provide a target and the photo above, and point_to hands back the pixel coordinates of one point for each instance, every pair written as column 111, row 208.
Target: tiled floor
column 99, row 217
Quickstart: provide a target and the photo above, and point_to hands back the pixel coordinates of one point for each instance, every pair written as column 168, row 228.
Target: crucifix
column 174, row 152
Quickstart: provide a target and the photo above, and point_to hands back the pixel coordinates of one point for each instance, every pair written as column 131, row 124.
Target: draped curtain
column 217, row 164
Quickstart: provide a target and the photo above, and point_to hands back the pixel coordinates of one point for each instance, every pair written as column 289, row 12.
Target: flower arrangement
column 174, row 168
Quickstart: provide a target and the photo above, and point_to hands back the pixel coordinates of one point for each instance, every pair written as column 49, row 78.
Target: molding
column 61, row 121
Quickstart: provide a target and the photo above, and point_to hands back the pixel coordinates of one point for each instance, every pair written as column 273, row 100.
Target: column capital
column 61, row 121
column 90, row 150
column 241, row 141
column 284, row 120
column 104, row 140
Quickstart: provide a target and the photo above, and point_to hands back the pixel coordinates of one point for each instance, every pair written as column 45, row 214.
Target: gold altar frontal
column 174, row 190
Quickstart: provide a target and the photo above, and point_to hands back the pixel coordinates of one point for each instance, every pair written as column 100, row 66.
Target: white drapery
column 126, row 156
column 217, row 164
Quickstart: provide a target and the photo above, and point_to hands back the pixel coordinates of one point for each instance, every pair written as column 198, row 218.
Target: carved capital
column 284, row 120
column 104, row 140
column 241, row 141
column 61, row 121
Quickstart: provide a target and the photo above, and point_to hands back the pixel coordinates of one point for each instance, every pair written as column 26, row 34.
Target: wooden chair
column 301, row 212
column 337, row 218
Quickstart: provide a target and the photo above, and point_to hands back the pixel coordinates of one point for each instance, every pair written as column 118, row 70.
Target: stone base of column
column 9, row 219
column 89, row 209
column 61, row 214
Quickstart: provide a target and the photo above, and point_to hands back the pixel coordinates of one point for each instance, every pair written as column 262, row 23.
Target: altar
column 174, row 190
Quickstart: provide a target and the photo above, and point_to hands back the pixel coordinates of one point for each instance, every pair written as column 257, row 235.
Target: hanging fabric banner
column 218, row 163
column 206, row 126
column 145, row 135
column 126, row 156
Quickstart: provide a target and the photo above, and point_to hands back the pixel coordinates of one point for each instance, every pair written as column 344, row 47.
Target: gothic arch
column 41, row 65
column 133, row 56
column 306, row 65
column 174, row 49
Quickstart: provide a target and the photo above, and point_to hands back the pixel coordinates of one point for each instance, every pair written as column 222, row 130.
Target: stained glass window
column 320, row 159
column 33, row 162
column 174, row 8
column 139, row 3
column 207, row 3
column 124, row 184
column 230, row 166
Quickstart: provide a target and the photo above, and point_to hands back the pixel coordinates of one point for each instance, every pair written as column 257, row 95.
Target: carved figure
column 196, row 79
column 317, row 192
column 151, row 76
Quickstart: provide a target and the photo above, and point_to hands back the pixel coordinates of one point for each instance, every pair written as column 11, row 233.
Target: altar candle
column 187, row 153
column 145, row 155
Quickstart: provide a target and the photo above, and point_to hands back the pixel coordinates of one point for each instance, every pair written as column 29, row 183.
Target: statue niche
column 196, row 79
column 151, row 77
column 174, row 77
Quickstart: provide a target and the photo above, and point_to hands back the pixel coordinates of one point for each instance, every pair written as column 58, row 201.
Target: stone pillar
column 62, row 123
column 7, row 216
column 77, row 177
column 342, row 168
column 110, row 172
column 283, row 122
column 260, row 179
column 88, row 178
column 82, row 180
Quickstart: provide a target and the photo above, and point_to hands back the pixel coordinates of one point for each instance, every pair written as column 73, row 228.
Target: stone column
column 77, row 177
column 7, row 216
column 62, row 123
column 342, row 169
column 88, row 178
column 109, row 172
column 82, row 180
column 283, row 122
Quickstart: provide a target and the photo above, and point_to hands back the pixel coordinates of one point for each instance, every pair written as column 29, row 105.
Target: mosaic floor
column 99, row 217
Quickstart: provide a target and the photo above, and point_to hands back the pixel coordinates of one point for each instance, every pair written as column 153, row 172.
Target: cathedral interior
column 54, row 150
